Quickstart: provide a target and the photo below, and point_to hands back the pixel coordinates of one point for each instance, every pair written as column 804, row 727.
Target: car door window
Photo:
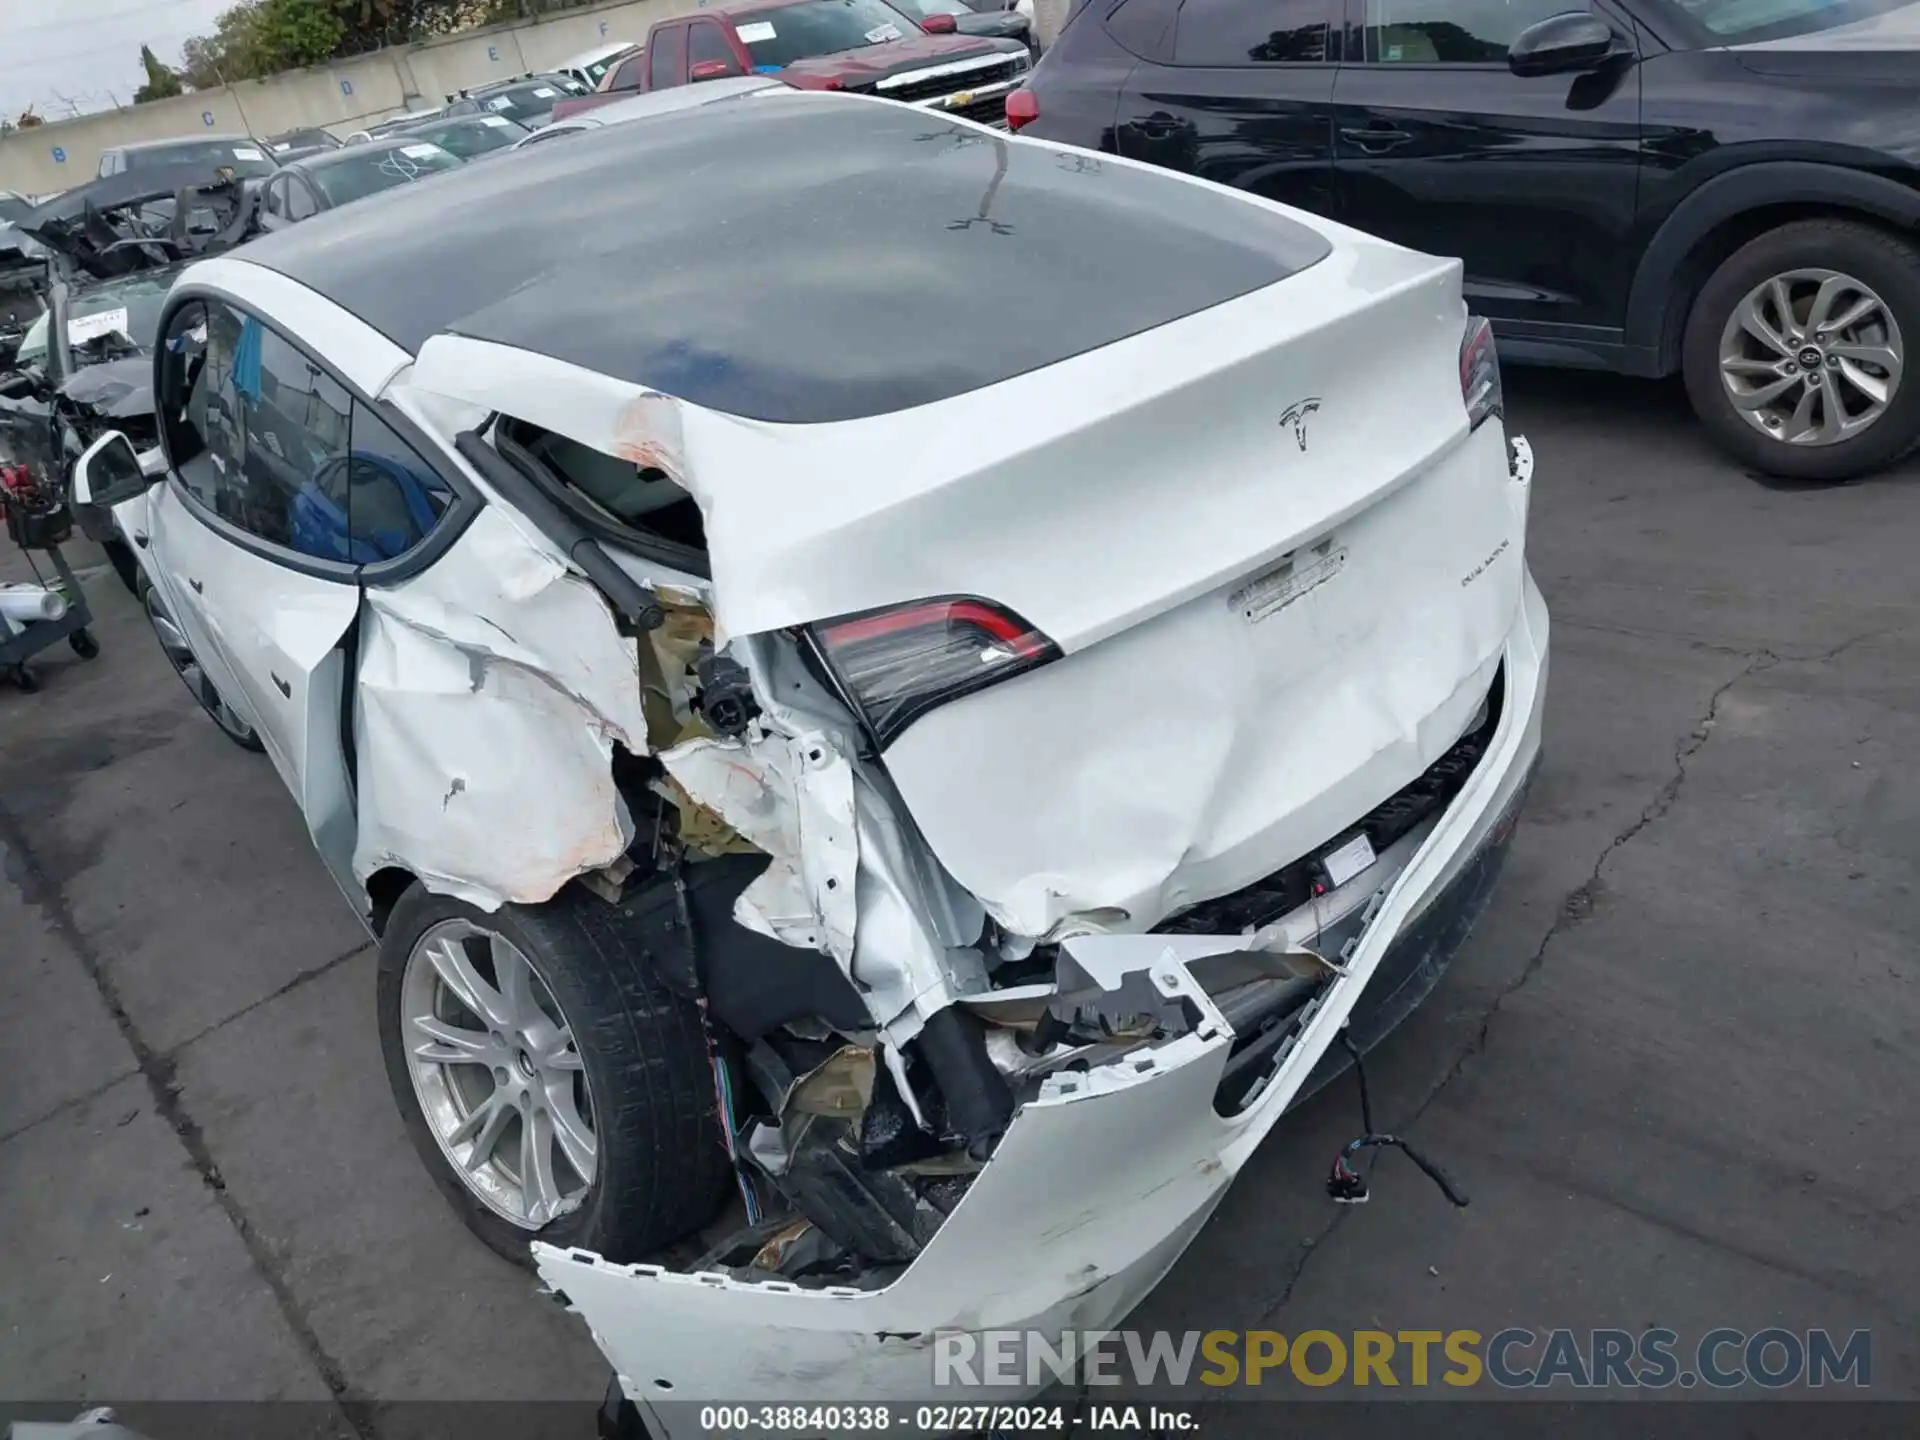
column 256, row 431
column 667, row 58
column 394, row 497
column 630, row 76
column 1255, row 32
column 296, row 419
column 196, row 370
column 705, row 42
column 300, row 202
column 1450, row 32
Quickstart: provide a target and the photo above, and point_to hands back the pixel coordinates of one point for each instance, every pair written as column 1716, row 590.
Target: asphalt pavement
column 1674, row 1066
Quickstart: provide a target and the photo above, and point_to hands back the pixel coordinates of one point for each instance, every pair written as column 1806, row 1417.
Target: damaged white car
column 889, row 690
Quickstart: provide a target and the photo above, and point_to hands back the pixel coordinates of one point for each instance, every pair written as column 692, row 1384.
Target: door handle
column 198, row 588
column 1374, row 138
column 282, row 686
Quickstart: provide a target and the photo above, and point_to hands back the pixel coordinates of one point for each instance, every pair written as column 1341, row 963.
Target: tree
column 257, row 38
column 292, row 34
column 162, row 83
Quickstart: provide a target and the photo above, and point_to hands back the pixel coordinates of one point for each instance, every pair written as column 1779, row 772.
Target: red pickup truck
column 865, row 46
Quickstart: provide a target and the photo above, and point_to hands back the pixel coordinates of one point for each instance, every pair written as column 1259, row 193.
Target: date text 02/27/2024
column 737, row 1422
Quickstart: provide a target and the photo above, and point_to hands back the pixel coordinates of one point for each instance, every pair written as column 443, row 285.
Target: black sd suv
column 1727, row 188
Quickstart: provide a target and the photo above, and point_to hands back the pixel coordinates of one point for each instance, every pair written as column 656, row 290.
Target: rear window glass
column 472, row 135
column 360, row 173
column 532, row 101
column 810, row 260
column 246, row 158
column 798, row 258
column 776, row 38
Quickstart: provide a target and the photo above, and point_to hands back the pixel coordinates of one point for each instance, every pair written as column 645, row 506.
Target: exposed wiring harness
column 717, row 1059
column 1347, row 1186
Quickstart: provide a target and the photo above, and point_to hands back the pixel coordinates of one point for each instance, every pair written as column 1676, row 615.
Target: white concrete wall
column 339, row 97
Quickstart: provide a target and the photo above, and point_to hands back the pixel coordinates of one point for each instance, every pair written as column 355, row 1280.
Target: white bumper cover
column 1097, row 1187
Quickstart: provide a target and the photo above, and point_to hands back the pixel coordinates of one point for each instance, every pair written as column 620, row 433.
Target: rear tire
column 1739, row 343
column 660, row 1164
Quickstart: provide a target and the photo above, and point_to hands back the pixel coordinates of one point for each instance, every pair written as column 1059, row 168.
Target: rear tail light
column 896, row 664
column 1480, row 373
column 1023, row 108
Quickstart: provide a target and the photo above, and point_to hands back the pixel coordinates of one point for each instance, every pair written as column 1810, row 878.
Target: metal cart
column 39, row 518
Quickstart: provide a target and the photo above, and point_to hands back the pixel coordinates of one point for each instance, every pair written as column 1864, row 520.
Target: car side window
column 300, row 204
column 667, row 58
column 256, row 431
column 1253, row 32
column 295, row 418
column 631, row 75
column 199, row 411
column 394, row 497
column 1450, row 32
column 706, row 42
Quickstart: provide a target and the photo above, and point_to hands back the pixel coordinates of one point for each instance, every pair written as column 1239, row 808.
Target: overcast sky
column 55, row 54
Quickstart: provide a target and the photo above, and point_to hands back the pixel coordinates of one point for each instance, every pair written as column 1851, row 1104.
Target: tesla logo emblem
column 1296, row 415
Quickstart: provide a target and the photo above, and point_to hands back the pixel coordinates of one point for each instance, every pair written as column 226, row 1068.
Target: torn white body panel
column 849, row 876
column 1095, row 1190
column 492, row 689
column 791, row 796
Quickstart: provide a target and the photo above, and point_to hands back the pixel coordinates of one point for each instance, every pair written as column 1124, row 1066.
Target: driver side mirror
column 939, row 25
column 109, row 472
column 712, row 70
column 1561, row 45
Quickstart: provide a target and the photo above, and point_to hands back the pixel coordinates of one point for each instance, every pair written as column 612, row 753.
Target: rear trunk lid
column 1279, row 570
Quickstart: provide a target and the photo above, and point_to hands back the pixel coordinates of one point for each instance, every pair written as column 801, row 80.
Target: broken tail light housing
column 895, row 665
column 1480, row 373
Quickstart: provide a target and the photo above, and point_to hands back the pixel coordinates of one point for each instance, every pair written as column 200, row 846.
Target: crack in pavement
column 40, row 890
column 1575, row 906
column 1308, row 1250
column 173, row 1053
column 312, row 972
column 1578, row 902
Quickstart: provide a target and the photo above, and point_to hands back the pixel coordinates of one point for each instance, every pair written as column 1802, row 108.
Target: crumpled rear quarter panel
column 493, row 687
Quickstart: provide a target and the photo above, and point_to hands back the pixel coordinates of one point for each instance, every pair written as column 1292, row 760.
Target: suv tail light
column 896, row 664
column 1480, row 373
column 1023, row 108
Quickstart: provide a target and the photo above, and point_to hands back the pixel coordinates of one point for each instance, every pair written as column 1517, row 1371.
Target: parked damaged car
column 924, row 804
column 105, row 255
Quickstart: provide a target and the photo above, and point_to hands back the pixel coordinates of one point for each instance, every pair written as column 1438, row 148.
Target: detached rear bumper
column 1100, row 1183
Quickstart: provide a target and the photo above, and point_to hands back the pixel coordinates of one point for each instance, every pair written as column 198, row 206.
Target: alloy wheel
column 173, row 644
column 1811, row 357
column 497, row 1074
